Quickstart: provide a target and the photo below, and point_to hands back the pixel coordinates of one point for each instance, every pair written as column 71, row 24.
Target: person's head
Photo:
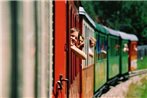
column 80, row 38
column 125, row 49
column 80, row 41
column 92, row 41
column 125, row 45
column 74, row 35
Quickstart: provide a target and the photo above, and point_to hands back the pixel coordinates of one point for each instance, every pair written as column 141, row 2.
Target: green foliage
column 89, row 8
column 127, row 16
column 141, row 63
column 138, row 90
column 144, row 33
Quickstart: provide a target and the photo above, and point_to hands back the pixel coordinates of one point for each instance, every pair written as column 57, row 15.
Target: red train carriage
column 132, row 52
column 59, row 67
column 67, row 63
column 73, row 61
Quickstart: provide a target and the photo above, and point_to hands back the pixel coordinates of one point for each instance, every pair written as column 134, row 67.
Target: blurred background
column 25, row 49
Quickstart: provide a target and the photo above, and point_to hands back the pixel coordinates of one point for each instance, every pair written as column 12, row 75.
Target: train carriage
column 74, row 62
column 68, row 77
column 100, row 67
column 113, row 55
column 88, row 27
column 60, row 38
column 132, row 52
column 124, row 54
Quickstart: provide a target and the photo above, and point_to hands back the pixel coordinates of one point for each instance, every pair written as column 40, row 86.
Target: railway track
column 137, row 72
column 121, row 90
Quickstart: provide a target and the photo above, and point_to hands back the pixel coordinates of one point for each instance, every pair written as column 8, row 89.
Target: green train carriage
column 124, row 55
column 113, row 56
column 100, row 68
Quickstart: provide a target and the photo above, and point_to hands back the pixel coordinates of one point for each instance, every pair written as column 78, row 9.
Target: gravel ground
column 120, row 90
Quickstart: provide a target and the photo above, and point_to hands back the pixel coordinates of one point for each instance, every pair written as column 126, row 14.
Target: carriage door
column 60, row 81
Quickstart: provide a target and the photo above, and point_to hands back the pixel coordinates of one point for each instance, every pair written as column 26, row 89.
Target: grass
column 138, row 90
column 142, row 63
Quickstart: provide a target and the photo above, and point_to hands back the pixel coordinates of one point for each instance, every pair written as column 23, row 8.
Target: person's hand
column 81, row 45
column 73, row 40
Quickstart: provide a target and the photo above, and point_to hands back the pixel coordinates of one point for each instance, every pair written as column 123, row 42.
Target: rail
column 137, row 72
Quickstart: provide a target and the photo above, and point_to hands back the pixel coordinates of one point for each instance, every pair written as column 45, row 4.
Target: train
column 44, row 56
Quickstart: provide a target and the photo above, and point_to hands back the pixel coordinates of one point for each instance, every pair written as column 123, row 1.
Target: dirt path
column 120, row 90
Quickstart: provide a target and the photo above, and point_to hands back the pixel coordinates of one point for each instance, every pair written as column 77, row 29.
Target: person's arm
column 78, row 52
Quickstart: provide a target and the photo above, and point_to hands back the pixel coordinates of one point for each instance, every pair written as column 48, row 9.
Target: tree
column 127, row 16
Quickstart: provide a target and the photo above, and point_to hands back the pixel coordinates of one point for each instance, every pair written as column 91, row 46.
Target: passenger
column 135, row 48
column 77, row 44
column 126, row 49
column 74, row 36
column 80, row 42
column 92, row 43
column 103, row 48
column 117, row 47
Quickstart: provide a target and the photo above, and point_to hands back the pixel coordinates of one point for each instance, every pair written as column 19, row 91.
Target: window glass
column 101, row 47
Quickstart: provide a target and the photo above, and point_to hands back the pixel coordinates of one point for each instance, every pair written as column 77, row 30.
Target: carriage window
column 125, row 49
column 114, row 47
column 101, row 47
